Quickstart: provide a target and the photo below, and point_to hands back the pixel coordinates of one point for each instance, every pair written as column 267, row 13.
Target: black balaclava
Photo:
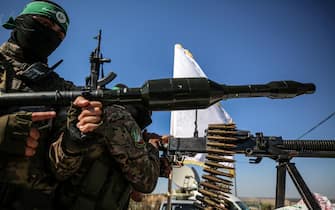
column 36, row 40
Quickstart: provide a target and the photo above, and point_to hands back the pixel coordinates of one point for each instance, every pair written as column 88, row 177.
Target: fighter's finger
column 39, row 116
column 165, row 139
column 32, row 143
column 34, row 134
column 88, row 127
column 81, row 102
column 154, row 142
column 89, row 119
column 96, row 104
column 29, row 152
column 87, row 113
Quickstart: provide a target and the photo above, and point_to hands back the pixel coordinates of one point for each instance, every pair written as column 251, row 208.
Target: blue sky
column 235, row 42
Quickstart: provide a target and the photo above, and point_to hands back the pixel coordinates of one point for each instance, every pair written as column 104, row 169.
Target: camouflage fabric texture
column 28, row 174
column 111, row 169
column 138, row 161
column 12, row 61
column 120, row 159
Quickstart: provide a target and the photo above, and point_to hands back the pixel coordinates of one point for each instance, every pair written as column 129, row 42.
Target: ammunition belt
column 219, row 170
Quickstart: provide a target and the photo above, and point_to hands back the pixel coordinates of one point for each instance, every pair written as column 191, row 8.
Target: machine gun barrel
column 310, row 148
column 163, row 94
column 269, row 146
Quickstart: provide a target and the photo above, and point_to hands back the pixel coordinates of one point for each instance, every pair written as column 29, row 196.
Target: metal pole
column 281, row 184
column 301, row 186
column 235, row 183
column 169, row 194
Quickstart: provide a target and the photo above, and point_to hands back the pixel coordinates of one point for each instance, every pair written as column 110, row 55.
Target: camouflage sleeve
column 14, row 130
column 139, row 162
column 62, row 164
column 3, row 126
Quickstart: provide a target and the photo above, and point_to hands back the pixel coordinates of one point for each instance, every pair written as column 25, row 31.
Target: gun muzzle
column 199, row 93
column 289, row 89
column 273, row 90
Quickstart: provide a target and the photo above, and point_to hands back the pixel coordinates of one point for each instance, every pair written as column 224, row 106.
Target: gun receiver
column 164, row 94
column 277, row 148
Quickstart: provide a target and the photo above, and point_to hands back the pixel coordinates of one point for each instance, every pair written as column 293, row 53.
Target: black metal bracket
column 299, row 183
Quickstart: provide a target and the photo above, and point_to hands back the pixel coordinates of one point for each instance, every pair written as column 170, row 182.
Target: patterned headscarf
column 44, row 8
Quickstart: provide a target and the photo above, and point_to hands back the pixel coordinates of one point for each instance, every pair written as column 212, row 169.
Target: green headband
column 49, row 10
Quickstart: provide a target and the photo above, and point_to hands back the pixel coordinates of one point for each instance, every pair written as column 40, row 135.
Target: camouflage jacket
column 130, row 163
column 33, row 173
column 120, row 163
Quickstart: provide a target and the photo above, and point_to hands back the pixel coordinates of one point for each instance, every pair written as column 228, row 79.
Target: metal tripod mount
column 283, row 151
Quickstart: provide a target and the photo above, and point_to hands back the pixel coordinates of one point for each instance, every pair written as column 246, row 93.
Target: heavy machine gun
column 282, row 151
column 224, row 140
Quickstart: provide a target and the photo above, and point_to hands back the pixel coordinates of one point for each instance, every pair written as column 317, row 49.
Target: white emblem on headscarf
column 61, row 17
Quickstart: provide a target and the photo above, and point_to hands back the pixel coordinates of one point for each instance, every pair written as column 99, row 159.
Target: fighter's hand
column 165, row 167
column 136, row 196
column 165, row 139
column 90, row 116
column 155, row 142
column 34, row 134
column 159, row 141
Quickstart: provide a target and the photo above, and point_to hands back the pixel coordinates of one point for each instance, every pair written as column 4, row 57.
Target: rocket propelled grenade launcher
column 164, row 94
column 156, row 95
